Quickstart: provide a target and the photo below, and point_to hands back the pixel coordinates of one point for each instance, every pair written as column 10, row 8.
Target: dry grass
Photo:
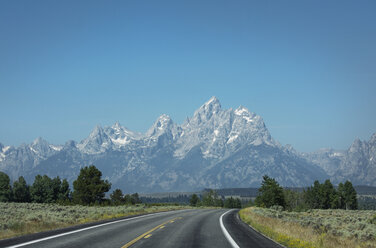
column 293, row 230
column 18, row 219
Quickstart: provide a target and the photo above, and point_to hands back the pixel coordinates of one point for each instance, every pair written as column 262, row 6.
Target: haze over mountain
column 215, row 148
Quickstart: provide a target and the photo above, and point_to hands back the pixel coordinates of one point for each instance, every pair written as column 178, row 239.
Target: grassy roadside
column 315, row 228
column 18, row 219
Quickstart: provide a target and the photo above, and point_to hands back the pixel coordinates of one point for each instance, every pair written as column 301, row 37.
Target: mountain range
column 215, row 148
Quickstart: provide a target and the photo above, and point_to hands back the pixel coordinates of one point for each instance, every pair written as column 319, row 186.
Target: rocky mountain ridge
column 215, row 148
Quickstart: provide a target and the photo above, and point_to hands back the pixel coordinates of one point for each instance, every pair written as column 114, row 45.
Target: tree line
column 318, row 196
column 211, row 199
column 89, row 188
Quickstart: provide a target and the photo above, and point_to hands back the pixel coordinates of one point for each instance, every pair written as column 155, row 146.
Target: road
column 184, row 228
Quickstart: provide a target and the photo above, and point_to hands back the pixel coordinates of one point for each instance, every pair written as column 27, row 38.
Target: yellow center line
column 148, row 232
column 162, row 227
column 148, row 236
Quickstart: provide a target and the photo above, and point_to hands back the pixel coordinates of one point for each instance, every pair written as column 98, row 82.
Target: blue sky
column 307, row 67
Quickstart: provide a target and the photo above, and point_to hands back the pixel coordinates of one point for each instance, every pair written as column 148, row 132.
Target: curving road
column 185, row 228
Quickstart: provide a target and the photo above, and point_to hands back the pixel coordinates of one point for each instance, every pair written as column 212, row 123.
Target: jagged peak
column 208, row 109
column 38, row 142
column 163, row 118
column 117, row 125
column 356, row 145
column 242, row 111
column 212, row 104
column 98, row 130
column 162, row 123
column 213, row 101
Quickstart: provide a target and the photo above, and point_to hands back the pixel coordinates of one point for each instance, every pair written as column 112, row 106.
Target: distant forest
column 366, row 195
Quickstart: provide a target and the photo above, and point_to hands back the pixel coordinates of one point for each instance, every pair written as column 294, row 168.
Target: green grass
column 314, row 228
column 24, row 218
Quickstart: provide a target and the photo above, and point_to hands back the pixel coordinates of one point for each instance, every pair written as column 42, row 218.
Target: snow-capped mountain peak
column 40, row 146
column 97, row 142
column 215, row 148
column 245, row 114
column 207, row 110
column 120, row 135
column 117, row 126
column 163, row 124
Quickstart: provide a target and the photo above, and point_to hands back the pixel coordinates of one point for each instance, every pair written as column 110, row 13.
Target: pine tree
column 194, row 201
column 270, row 193
column 56, row 187
column 5, row 188
column 327, row 195
column 89, row 187
column 42, row 190
column 64, row 193
column 341, row 196
column 135, row 198
column 350, row 196
column 238, row 203
column 21, row 191
column 229, row 202
column 117, row 197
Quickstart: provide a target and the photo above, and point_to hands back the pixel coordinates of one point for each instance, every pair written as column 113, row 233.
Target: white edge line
column 225, row 232
column 264, row 235
column 84, row 229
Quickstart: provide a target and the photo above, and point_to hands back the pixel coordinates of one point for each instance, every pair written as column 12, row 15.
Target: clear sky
column 307, row 67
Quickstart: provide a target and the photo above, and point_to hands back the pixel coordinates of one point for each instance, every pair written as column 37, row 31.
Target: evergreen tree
column 350, row 196
column 270, row 193
column 117, row 197
column 327, row 195
column 64, row 193
column 238, row 203
column 211, row 199
column 294, row 200
column 194, row 201
column 89, row 187
column 56, row 188
column 21, row 191
column 128, row 199
column 232, row 203
column 313, row 196
column 341, row 196
column 5, row 188
column 229, row 202
column 208, row 198
column 42, row 190
column 135, row 198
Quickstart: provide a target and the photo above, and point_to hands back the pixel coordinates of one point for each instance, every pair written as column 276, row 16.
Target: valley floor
column 315, row 228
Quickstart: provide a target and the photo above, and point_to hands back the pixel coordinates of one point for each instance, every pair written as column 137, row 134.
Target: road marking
column 84, row 229
column 146, row 235
column 225, row 232
column 162, row 227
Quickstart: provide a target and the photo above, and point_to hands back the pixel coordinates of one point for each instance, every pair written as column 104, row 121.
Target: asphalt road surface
column 185, row 228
